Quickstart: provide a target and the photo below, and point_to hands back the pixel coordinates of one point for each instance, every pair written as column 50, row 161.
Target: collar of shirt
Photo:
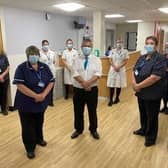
column 153, row 56
column 83, row 57
column 40, row 66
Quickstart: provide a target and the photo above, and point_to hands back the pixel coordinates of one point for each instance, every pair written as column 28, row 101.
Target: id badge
column 136, row 72
column 41, row 84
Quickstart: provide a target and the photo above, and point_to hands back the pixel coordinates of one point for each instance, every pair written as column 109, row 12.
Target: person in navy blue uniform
column 4, row 81
column 34, row 82
column 108, row 52
column 149, row 83
column 165, row 98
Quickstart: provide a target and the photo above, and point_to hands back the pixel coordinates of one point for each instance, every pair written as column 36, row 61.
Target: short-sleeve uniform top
column 117, row 79
column 49, row 58
column 93, row 68
column 4, row 63
column 27, row 76
column 69, row 56
column 156, row 65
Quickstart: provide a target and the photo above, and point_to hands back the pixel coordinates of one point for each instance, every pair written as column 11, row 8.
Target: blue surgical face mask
column 86, row 51
column 149, row 48
column 69, row 46
column 33, row 59
column 45, row 47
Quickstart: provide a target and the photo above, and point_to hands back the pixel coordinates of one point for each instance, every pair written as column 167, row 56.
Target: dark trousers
column 32, row 129
column 149, row 112
column 165, row 97
column 51, row 101
column 3, row 95
column 90, row 98
column 118, row 92
column 67, row 88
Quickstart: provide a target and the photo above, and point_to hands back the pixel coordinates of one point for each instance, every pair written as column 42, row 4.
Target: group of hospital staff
column 35, row 79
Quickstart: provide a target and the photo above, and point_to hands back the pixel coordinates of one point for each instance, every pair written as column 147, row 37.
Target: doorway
column 109, row 38
column 131, row 41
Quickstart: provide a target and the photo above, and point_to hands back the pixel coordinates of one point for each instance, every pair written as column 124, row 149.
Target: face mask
column 86, row 51
column 119, row 45
column 45, row 47
column 149, row 48
column 33, row 59
column 69, row 46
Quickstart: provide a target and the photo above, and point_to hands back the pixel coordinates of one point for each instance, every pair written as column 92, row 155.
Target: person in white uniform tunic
column 117, row 73
column 48, row 57
column 68, row 57
column 87, row 69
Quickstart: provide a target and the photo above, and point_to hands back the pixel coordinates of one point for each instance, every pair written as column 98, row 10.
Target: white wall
column 25, row 27
column 122, row 29
column 144, row 29
column 110, row 26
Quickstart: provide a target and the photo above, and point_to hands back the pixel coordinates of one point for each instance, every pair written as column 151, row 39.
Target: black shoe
column 30, row 155
column 42, row 143
column 51, row 105
column 163, row 110
column 149, row 143
column 5, row 112
column 139, row 132
column 75, row 134
column 166, row 111
column 117, row 100
column 95, row 135
column 110, row 103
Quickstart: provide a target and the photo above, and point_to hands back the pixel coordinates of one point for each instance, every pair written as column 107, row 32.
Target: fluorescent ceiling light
column 69, row 7
column 134, row 21
column 164, row 10
column 114, row 16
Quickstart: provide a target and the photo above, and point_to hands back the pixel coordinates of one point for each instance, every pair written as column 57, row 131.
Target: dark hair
column 44, row 41
column 86, row 41
column 69, row 40
column 152, row 38
column 32, row 50
column 109, row 48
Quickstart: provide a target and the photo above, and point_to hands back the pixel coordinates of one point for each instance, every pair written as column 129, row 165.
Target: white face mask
column 69, row 46
column 119, row 45
column 45, row 47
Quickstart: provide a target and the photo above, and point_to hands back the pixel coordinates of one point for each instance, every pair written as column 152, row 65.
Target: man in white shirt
column 67, row 58
column 48, row 57
column 87, row 69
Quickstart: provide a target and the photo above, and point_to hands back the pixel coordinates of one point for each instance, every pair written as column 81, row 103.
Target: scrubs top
column 156, row 65
column 4, row 63
column 27, row 76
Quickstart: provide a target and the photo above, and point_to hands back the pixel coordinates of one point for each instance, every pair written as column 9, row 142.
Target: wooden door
column 1, row 43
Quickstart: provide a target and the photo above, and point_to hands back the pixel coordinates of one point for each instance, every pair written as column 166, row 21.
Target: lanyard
column 142, row 64
column 38, row 74
column 48, row 57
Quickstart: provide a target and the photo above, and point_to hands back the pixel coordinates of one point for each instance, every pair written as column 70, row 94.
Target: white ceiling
column 132, row 9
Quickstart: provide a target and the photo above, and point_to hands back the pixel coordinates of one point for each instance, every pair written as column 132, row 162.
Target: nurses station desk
column 103, row 90
column 59, row 84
